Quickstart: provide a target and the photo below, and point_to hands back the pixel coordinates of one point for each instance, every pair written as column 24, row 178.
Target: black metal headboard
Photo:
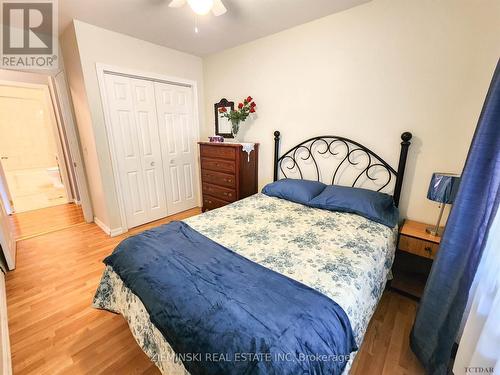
column 348, row 154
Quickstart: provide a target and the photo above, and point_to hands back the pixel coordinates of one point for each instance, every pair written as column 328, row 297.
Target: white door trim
column 64, row 140
column 62, row 101
column 102, row 69
column 61, row 158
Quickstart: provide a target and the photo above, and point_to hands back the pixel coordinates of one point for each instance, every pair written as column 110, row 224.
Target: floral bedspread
column 342, row 255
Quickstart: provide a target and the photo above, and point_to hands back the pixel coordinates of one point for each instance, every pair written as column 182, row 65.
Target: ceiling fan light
column 201, row 7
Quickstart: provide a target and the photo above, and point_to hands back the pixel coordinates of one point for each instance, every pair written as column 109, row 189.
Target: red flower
column 249, row 99
column 252, row 104
column 222, row 110
column 252, row 109
column 240, row 105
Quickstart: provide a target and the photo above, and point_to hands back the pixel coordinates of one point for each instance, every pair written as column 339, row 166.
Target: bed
column 338, row 256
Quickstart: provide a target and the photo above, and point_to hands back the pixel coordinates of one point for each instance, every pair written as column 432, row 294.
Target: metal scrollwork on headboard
column 363, row 163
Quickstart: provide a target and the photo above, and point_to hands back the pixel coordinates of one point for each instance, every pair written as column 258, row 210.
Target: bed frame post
column 276, row 154
column 405, row 137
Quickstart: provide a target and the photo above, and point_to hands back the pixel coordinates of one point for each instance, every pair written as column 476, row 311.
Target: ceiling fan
column 201, row 7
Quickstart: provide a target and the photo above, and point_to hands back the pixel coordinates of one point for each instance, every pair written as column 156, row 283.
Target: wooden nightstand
column 415, row 251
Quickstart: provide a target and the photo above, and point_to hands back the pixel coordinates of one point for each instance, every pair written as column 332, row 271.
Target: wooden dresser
column 228, row 173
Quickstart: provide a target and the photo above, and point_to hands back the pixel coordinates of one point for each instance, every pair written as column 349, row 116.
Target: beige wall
column 74, row 75
column 23, row 77
column 370, row 73
column 85, row 45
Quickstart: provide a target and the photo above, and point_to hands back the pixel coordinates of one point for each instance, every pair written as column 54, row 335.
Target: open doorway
column 43, row 186
column 32, row 167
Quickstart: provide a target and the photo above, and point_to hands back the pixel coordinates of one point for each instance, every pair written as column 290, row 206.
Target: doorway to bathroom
column 33, row 171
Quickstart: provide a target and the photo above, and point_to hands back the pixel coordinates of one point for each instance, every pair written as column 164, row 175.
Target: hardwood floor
column 54, row 329
column 33, row 223
column 385, row 349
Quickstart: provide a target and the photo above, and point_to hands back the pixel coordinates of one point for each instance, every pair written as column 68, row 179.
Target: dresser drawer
column 218, row 178
column 218, row 152
column 210, row 203
column 219, row 192
column 218, row 165
column 418, row 247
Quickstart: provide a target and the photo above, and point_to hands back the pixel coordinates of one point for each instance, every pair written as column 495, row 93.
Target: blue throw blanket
column 224, row 314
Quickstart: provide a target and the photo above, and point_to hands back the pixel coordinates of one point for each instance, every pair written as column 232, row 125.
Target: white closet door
column 137, row 147
column 175, row 120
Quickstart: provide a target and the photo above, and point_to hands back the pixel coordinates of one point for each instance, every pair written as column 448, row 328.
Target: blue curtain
column 445, row 296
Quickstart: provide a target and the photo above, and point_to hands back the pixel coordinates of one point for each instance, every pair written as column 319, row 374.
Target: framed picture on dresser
column 222, row 124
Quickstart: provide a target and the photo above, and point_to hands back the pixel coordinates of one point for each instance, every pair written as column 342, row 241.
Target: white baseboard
column 110, row 232
column 101, row 225
column 116, row 232
column 5, row 356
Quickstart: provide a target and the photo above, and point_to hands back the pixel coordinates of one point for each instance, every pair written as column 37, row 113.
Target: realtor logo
column 29, row 34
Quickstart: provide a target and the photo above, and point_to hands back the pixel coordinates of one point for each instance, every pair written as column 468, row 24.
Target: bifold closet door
column 132, row 108
column 175, row 120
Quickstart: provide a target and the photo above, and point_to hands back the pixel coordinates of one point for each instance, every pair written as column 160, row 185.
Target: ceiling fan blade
column 218, row 8
column 176, row 3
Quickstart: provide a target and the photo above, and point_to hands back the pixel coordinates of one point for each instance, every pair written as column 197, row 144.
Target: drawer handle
column 428, row 249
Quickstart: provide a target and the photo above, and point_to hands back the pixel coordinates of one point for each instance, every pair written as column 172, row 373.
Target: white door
column 178, row 142
column 7, row 241
column 5, row 196
column 137, row 147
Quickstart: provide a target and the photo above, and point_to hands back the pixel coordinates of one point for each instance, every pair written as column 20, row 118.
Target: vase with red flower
column 235, row 129
column 237, row 116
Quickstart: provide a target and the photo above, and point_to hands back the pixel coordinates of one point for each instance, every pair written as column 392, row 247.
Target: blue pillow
column 299, row 191
column 373, row 205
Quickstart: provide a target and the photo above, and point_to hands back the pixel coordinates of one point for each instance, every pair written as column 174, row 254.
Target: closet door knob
column 152, row 163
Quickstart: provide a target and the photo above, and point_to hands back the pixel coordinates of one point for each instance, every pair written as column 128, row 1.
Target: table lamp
column 443, row 189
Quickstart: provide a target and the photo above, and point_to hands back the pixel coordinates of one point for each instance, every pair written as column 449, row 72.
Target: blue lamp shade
column 443, row 187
